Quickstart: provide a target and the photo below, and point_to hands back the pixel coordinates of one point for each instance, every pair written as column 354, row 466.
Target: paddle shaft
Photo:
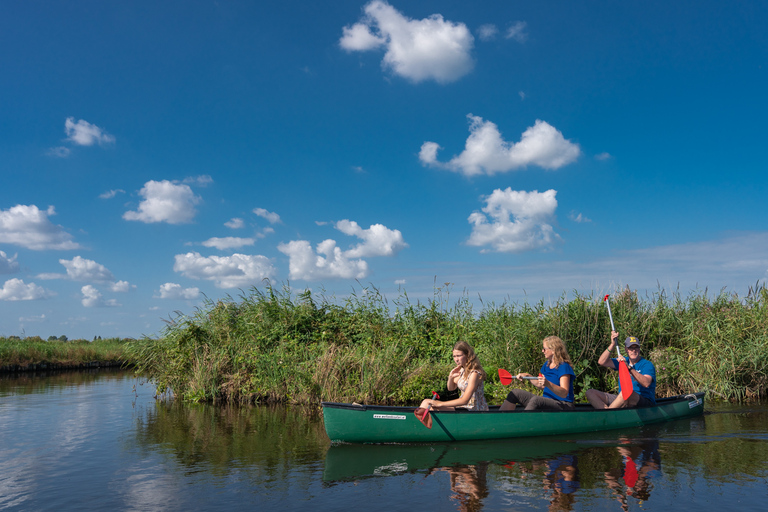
column 625, row 378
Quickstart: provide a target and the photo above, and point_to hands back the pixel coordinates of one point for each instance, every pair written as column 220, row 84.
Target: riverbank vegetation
column 274, row 346
column 35, row 353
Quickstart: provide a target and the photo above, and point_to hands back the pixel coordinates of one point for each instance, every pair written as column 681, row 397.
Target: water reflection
column 469, row 485
column 640, row 463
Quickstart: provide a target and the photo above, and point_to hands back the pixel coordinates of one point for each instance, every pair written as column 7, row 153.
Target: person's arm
column 560, row 390
column 453, row 378
column 465, row 397
column 641, row 378
column 605, row 357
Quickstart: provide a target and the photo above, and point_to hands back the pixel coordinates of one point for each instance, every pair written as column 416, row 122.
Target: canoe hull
column 352, row 423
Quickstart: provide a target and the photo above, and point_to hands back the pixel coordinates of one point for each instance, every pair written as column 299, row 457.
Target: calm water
column 100, row 441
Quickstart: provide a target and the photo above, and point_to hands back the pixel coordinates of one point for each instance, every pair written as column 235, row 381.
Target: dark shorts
column 644, row 402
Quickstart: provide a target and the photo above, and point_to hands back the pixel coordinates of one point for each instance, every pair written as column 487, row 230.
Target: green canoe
column 353, row 423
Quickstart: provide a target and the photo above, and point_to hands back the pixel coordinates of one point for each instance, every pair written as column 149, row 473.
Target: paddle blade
column 625, row 379
column 505, row 377
column 424, row 417
column 605, row 298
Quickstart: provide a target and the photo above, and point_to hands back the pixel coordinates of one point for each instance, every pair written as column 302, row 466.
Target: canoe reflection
column 561, row 471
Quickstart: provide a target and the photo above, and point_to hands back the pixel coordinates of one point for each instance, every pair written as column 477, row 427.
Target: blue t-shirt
column 553, row 375
column 644, row 367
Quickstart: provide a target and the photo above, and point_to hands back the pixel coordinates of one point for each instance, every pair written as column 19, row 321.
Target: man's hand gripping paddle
column 625, row 379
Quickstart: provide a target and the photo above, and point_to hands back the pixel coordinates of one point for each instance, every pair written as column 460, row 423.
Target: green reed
column 275, row 346
column 17, row 352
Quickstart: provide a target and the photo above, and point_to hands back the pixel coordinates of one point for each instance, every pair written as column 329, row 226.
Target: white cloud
column 487, row 32
column 121, row 286
column 111, row 193
column 30, row 227
column 84, row 133
column 201, row 181
column 8, row 265
column 329, row 261
column 92, row 298
column 578, row 217
column 273, row 218
column 378, row 239
column 603, row 156
column 228, row 242
column 165, row 201
column 59, row 152
column 418, row 50
column 81, row 269
column 519, row 221
column 236, row 271
column 487, row 153
column 235, row 223
column 175, row 291
column 16, row 289
column 517, row 32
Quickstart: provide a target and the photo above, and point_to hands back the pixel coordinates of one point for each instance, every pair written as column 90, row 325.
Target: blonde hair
column 472, row 362
column 556, row 345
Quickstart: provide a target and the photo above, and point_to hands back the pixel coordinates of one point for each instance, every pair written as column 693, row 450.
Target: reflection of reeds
column 275, row 346
column 34, row 353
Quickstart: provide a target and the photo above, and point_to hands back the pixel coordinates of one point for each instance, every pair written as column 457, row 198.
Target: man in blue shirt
column 643, row 378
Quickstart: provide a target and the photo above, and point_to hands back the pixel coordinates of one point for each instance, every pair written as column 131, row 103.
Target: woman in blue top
column 555, row 378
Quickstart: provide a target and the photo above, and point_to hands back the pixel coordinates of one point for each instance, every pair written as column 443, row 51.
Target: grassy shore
column 16, row 353
column 273, row 346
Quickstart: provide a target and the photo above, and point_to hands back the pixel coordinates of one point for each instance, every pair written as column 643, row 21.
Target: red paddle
column 630, row 472
column 423, row 414
column 625, row 379
column 506, row 378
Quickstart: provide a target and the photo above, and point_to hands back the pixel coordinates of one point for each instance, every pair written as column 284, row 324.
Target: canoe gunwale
column 494, row 409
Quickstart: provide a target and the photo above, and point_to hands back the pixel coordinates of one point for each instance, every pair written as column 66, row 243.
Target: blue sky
column 153, row 153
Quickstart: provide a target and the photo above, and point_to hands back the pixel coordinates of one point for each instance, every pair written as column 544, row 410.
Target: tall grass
column 275, row 346
column 20, row 353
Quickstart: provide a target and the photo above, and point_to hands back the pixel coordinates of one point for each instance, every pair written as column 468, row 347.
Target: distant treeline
column 274, row 346
column 33, row 353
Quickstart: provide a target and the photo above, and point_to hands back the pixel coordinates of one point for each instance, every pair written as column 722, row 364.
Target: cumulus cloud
column 235, row 223
column 17, row 289
column 92, row 298
column 418, row 50
column 81, row 269
column 328, row 261
column 109, row 194
column 487, row 153
column 8, row 265
column 378, row 240
column 121, row 286
column 175, row 291
column 228, row 242
column 515, row 221
column 272, row 217
column 603, row 156
column 29, row 227
column 84, row 133
column 235, row 271
column 517, row 32
column 487, row 32
column 165, row 201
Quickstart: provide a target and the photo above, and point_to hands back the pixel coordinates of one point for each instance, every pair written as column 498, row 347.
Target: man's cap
column 631, row 341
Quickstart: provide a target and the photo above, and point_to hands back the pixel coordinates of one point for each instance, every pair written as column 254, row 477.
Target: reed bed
column 17, row 353
column 275, row 346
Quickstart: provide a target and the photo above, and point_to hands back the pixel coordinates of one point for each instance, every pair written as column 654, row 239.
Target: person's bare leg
column 597, row 399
